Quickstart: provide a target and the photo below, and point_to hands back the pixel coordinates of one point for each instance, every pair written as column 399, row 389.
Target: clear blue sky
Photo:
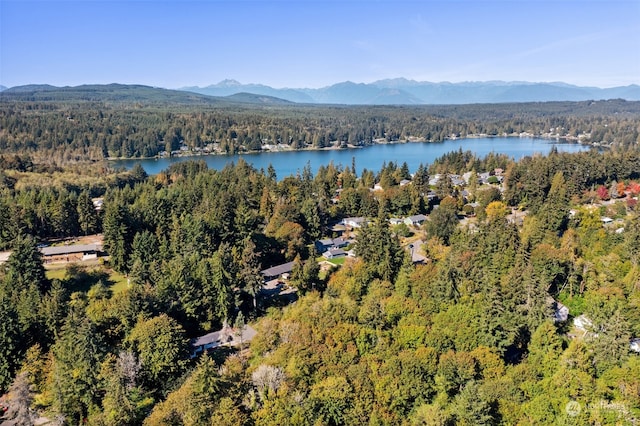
column 304, row 43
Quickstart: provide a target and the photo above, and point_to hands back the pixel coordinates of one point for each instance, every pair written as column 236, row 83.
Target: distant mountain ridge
column 410, row 92
column 384, row 92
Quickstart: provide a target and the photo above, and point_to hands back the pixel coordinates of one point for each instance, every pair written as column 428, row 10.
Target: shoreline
column 191, row 154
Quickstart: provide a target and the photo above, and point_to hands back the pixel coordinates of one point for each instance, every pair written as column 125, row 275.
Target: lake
column 372, row 157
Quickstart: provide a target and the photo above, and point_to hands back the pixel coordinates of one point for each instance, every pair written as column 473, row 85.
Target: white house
column 395, row 220
column 354, row 222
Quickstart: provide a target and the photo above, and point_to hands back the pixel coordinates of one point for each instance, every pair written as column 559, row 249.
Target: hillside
column 113, row 93
column 62, row 125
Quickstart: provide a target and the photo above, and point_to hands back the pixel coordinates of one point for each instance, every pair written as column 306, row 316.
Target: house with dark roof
column 323, row 244
column 70, row 253
column 329, row 243
column 277, row 271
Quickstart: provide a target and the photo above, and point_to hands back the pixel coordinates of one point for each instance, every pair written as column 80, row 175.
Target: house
column 404, row 182
column 323, row 244
column 484, row 177
column 334, row 253
column 227, row 336
column 341, row 242
column 338, row 228
column 277, row 271
column 433, row 181
column 354, row 222
column 634, row 346
column 70, row 253
column 456, row 180
column 378, row 187
column 415, row 220
column 396, row 220
column 329, row 243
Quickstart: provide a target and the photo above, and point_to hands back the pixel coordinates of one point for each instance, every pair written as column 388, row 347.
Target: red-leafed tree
column 603, row 192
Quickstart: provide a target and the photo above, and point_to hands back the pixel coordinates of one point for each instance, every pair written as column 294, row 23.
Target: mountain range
column 410, row 92
column 398, row 91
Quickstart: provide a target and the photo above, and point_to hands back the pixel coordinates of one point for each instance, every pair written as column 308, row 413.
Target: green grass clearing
column 338, row 261
column 77, row 277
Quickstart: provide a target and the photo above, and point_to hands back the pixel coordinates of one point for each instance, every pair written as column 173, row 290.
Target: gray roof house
column 415, row 220
column 227, row 336
column 277, row 271
column 329, row 243
column 334, row 253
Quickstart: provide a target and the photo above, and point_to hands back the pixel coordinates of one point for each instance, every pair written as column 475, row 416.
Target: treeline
column 48, row 202
column 466, row 338
column 64, row 132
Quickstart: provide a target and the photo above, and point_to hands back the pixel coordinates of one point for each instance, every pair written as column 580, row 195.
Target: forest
column 469, row 337
column 93, row 123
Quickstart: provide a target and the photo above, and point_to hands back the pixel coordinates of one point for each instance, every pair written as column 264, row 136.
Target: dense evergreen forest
column 466, row 338
column 474, row 333
column 94, row 123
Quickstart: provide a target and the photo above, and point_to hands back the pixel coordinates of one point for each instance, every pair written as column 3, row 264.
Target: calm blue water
column 371, row 157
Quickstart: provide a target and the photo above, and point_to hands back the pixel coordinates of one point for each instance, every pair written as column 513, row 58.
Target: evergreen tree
column 380, row 250
column 87, row 215
column 24, row 266
column 76, row 365
column 10, row 349
column 116, row 234
column 249, row 271
column 161, row 346
column 442, row 223
column 554, row 213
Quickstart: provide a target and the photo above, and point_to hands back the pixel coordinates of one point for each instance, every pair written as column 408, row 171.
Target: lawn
column 338, row 260
column 81, row 278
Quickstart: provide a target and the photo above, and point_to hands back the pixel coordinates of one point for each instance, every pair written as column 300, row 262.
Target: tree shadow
column 80, row 278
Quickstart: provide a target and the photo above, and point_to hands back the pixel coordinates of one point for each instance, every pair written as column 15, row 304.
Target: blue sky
column 305, row 43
